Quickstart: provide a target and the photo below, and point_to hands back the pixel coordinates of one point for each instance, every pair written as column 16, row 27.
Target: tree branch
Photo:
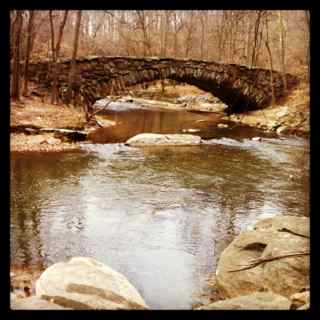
column 255, row 262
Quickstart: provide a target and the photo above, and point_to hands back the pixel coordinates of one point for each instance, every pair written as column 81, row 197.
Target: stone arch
column 237, row 86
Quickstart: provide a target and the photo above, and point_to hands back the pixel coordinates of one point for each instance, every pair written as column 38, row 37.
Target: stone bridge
column 239, row 87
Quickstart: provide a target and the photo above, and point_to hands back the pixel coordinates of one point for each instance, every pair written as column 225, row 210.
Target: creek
column 161, row 216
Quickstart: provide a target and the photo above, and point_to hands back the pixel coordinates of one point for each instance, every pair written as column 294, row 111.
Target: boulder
column 300, row 299
column 33, row 303
column 269, row 238
column 254, row 301
column 153, row 139
column 85, row 283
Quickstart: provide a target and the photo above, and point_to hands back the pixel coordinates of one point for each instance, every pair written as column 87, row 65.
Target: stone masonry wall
column 237, row 86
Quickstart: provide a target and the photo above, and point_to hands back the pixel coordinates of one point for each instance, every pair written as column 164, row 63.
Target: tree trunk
column 248, row 42
column 282, row 36
column 270, row 59
column 55, row 48
column 307, row 15
column 15, row 89
column 74, row 85
column 256, row 44
column 202, row 22
column 28, row 53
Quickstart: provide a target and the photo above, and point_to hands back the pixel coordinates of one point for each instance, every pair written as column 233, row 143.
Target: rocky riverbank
column 265, row 267
column 291, row 115
column 33, row 114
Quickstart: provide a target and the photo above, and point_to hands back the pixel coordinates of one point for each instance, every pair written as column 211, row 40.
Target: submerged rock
column 85, row 283
column 271, row 237
column 254, row 301
column 153, row 139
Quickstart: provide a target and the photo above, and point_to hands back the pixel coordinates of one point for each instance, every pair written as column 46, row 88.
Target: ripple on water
column 162, row 218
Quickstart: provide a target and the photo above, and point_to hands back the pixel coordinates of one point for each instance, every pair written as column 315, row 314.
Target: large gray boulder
column 85, row 283
column 33, row 303
column 254, row 301
column 154, row 139
column 270, row 237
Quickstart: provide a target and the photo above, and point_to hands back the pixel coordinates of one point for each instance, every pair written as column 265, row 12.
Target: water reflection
column 36, row 183
column 132, row 122
column 160, row 216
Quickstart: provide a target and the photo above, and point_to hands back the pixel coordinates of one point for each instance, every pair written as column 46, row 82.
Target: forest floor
column 34, row 113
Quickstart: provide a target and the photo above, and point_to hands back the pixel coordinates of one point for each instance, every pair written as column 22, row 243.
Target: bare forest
column 159, row 159
column 275, row 39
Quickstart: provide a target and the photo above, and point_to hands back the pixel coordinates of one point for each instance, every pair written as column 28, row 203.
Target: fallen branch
column 255, row 262
column 103, row 108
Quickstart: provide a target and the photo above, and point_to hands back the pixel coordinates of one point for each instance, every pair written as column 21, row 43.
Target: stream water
column 160, row 216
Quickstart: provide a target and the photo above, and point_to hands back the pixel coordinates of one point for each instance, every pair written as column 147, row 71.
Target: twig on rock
column 294, row 233
column 255, row 262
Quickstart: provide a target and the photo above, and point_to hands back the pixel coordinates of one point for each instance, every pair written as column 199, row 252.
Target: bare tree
column 177, row 27
column 29, row 49
column 190, row 27
column 74, row 83
column 282, row 47
column 16, row 31
column 164, row 30
column 55, row 47
column 307, row 19
column 267, row 44
column 203, row 17
column 257, row 38
column 142, row 25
